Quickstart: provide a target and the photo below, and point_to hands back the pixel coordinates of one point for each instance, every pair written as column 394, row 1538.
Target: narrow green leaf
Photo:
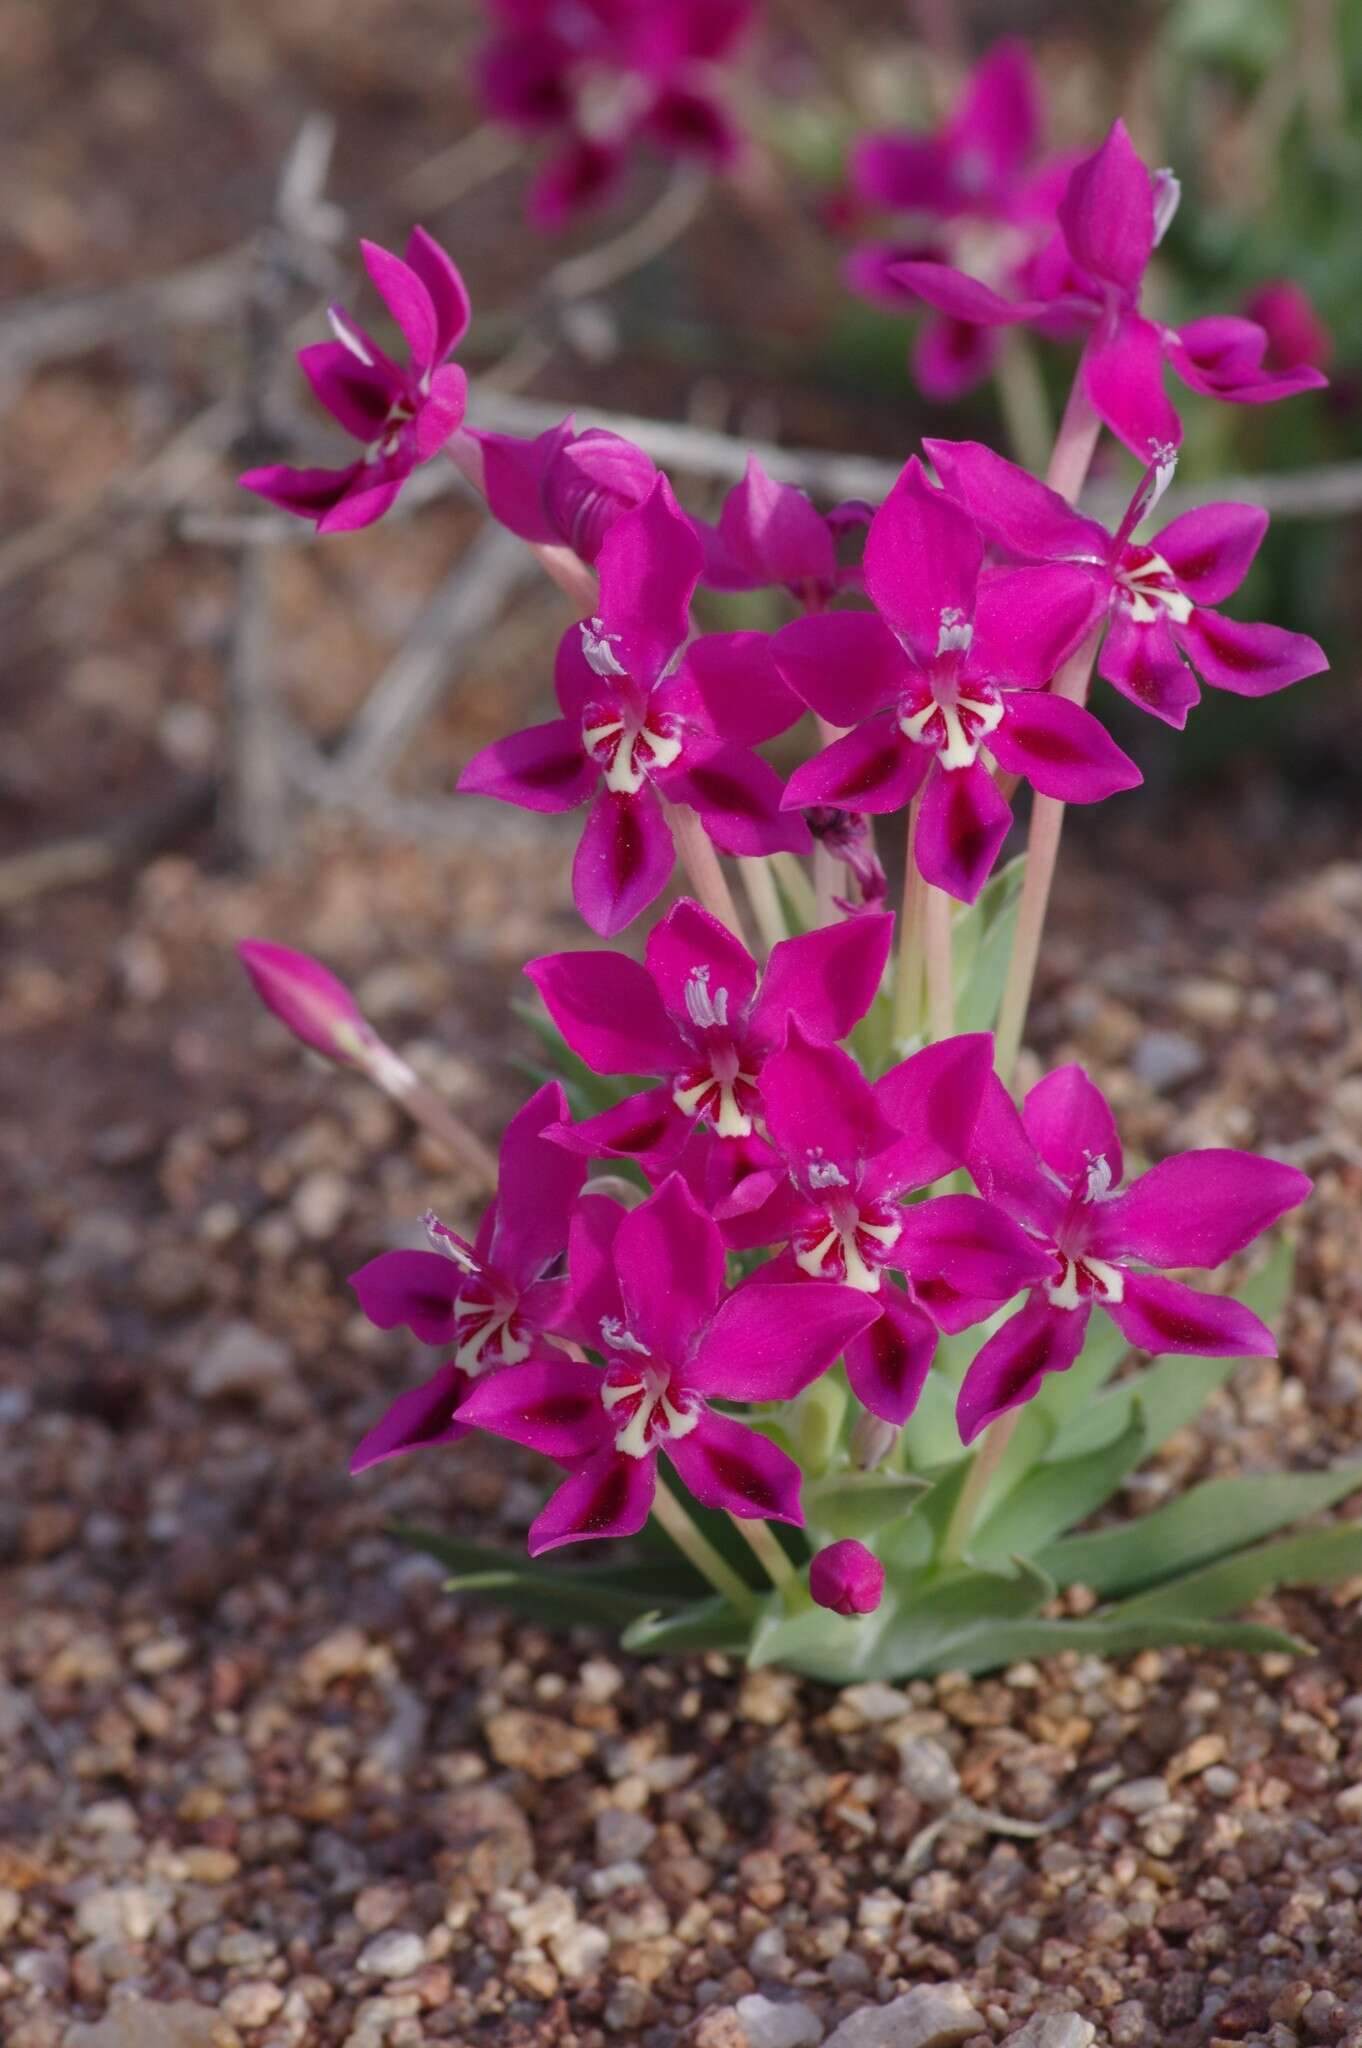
column 560, row 1597
column 1211, row 1520
column 984, row 947
column 994, row 1645
column 704, row 1625
column 835, row 1648
column 924, row 1629
column 1066, row 1396
column 1055, row 1495
column 1320, row 1557
column 859, row 1503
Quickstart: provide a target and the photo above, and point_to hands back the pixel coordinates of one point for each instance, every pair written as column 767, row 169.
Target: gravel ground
column 266, row 1783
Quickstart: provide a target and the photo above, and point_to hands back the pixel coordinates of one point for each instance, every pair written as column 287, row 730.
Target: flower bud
column 847, row 1578
column 815, row 1422
column 319, row 1010
column 872, row 1441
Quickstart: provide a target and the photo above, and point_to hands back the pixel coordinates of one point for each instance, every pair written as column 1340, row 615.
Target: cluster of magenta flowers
column 779, row 1192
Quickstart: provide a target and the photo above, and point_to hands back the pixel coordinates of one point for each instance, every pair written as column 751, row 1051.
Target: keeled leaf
column 1206, row 1523
column 1319, row 1557
column 704, row 1625
column 859, row 1503
column 560, row 1597
column 1055, row 1495
column 997, row 1644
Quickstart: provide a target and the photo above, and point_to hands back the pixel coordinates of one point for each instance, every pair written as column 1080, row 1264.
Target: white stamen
column 347, row 336
column 704, row 1009
column 955, row 633
column 442, row 1239
column 1167, row 193
column 617, row 1337
column 822, row 1173
column 600, row 655
column 1099, row 1177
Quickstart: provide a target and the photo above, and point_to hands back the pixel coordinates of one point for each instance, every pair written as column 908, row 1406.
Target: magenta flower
column 772, row 536
column 563, row 486
column 702, row 1013
column 311, row 1003
column 973, row 192
column 495, row 1300
column 633, row 731
column 649, row 1282
column 1087, row 281
column 847, row 835
column 605, row 75
column 1056, row 1168
column 846, row 1154
column 950, row 662
column 400, row 417
column 1159, row 596
column 1295, row 332
column 847, row 1578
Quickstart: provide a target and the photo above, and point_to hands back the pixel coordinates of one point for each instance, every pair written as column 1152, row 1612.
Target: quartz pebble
column 768, row 2024
column 930, row 2016
column 396, row 1953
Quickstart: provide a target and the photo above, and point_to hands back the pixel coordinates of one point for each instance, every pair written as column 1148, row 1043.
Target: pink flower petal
column 1123, row 375
column 1222, row 357
column 843, row 665
column 670, row 1262
column 998, row 123
column 1061, row 749
column 363, row 503
column 647, row 1128
column 821, row 1112
column 901, row 173
column 609, row 1496
column 933, row 1100
column 888, row 1362
column 649, row 565
column 581, row 178
column 1027, row 622
column 1014, row 507
column 1197, row 1209
column 1006, row 1169
column 744, row 695
column 408, row 301
column 962, row 297
column 826, row 978
column 950, row 357
column 1249, row 660
column 443, row 411
column 729, row 1467
column 589, row 482
column 308, row 493
column 423, row 1416
column 551, row 1405
column 767, row 1343
column 357, row 395
column 1160, row 1315
column 1140, row 659
column 1069, row 1121
column 624, row 861
column 513, row 479
column 609, row 1011
column 1211, row 550
column 1035, row 1342
column 739, row 797
column 448, row 293
column 542, row 768
column 1107, row 213
column 922, row 558
column 411, row 1290
column 687, row 121
column 307, row 999
column 960, row 830
column 875, row 768
column 690, row 945
column 593, row 1289
column 536, row 1188
column 775, row 531
column 970, row 1252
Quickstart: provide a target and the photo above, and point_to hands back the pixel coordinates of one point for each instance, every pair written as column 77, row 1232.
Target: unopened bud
column 847, row 1577
column 815, row 1423
column 872, row 1441
column 320, row 1011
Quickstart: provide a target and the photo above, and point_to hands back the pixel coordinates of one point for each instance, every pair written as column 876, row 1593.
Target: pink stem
column 936, row 937
column 701, row 863
column 1075, row 443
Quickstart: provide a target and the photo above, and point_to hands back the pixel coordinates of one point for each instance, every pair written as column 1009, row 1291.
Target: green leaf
column 860, row 1503
column 561, row 1597
column 1065, row 1397
column 1211, row 1520
column 981, row 939
column 997, row 1644
column 1320, row 1557
column 924, row 1632
column 704, row 1625
column 1055, row 1495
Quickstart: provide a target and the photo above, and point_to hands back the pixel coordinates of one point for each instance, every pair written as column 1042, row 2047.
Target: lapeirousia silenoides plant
column 799, row 1299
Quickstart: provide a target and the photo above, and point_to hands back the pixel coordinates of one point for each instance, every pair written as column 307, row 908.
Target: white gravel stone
column 1054, row 2030
column 770, row 2024
column 397, row 1953
column 931, row 2016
